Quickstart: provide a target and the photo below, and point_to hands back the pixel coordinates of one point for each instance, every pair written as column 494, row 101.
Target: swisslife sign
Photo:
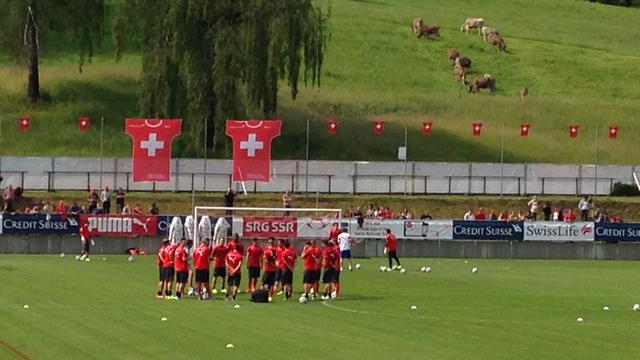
column 121, row 225
column 559, row 231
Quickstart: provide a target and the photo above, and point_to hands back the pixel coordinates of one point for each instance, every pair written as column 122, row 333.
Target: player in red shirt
column 86, row 239
column 160, row 267
column 234, row 271
column 254, row 263
column 201, row 259
column 237, row 244
column 390, row 243
column 167, row 267
column 289, row 260
column 317, row 268
column 308, row 266
column 269, row 266
column 219, row 254
column 334, row 232
column 181, row 260
column 330, row 257
column 279, row 247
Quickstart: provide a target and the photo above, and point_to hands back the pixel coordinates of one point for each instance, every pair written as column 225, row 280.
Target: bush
column 628, row 3
column 621, row 189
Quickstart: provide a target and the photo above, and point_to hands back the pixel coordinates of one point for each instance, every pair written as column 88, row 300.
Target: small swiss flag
column 377, row 126
column 25, row 122
column 573, row 130
column 613, row 131
column 332, row 126
column 426, row 128
column 524, row 129
column 477, row 128
column 83, row 123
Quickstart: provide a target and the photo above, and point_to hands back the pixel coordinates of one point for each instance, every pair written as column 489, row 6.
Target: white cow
column 472, row 23
column 486, row 31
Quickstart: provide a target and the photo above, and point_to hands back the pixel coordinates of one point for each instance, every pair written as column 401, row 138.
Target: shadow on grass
column 103, row 95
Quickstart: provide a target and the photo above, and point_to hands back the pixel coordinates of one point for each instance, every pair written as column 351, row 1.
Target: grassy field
column 439, row 206
column 577, row 59
column 508, row 310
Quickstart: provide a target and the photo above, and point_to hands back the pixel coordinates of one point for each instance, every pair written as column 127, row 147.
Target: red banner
column 378, row 126
column 121, row 225
column 573, row 130
column 252, row 148
column 332, row 127
column 476, row 128
column 524, row 129
column 25, row 122
column 264, row 227
column 83, row 123
column 151, row 154
column 613, row 131
column 426, row 127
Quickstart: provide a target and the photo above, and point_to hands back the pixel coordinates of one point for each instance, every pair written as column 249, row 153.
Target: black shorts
column 160, row 273
column 336, row 276
column 286, row 277
column 220, row 272
column 234, row 280
column 202, row 276
column 316, row 275
column 308, row 277
column 329, row 276
column 169, row 273
column 279, row 275
column 392, row 255
column 86, row 245
column 254, row 272
column 182, row 276
column 269, row 278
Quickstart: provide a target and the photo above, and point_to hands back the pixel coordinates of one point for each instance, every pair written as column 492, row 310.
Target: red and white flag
column 613, row 131
column 332, row 126
column 378, row 126
column 476, row 128
column 573, row 130
column 252, row 148
column 151, row 154
column 426, row 128
column 25, row 122
column 83, row 123
column 524, row 129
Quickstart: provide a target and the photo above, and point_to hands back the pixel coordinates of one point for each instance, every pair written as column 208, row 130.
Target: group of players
column 185, row 264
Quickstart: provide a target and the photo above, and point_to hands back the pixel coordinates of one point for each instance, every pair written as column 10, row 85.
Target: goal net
column 219, row 222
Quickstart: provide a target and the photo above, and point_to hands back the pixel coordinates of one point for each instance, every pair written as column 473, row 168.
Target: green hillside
column 578, row 59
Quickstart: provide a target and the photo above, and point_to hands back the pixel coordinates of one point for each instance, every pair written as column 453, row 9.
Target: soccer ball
column 334, row 295
column 358, row 266
column 402, row 271
column 131, row 258
column 636, row 307
column 474, row 270
column 205, row 296
column 388, row 270
column 382, row 268
column 302, row 300
column 77, row 257
column 61, row 255
column 394, row 267
column 427, row 269
column 423, row 269
column 87, row 259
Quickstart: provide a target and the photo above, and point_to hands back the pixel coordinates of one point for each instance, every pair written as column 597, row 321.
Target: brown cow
column 486, row 31
column 497, row 41
column 460, row 73
column 524, row 92
column 416, row 25
column 453, row 54
column 485, row 81
column 465, row 62
column 429, row 31
column 472, row 23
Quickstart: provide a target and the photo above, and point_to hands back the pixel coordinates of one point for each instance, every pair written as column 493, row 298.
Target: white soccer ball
column 388, row 270
column 423, row 269
column 413, row 307
column 358, row 266
column 230, row 346
column 427, row 269
column 163, row 319
column 636, row 307
column 87, row 259
column 77, row 257
column 62, row 255
column 334, row 295
column 205, row 296
column 605, row 308
column 131, row 258
column 302, row 299
column 402, row 271
column 382, row 268
column 579, row 319
column 474, row 270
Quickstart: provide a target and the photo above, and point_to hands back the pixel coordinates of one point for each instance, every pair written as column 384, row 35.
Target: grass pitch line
column 18, row 354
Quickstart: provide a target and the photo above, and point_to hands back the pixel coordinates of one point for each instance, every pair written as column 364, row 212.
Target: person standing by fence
column 583, row 206
column 105, row 197
column 287, row 201
column 120, row 201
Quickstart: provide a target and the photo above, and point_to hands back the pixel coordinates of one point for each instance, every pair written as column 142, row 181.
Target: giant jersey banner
column 151, row 154
column 252, row 148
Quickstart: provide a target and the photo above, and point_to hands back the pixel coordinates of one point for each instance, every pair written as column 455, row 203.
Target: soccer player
column 329, row 277
column 181, row 259
column 219, row 254
column 289, row 261
column 236, row 243
column 334, row 232
column 234, row 264
column 390, row 243
column 159, row 261
column 167, row 267
column 308, row 266
column 254, row 263
column 201, row 256
column 86, row 239
column 345, row 242
column 317, row 269
column 189, row 247
column 269, row 267
column 279, row 248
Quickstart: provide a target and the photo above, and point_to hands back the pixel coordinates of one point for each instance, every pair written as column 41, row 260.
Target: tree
column 212, row 60
column 27, row 24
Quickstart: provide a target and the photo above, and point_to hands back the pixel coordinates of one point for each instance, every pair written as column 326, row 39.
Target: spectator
column 35, row 209
column 154, row 209
column 105, row 197
column 546, row 211
column 228, row 199
column 370, row 212
column 569, row 216
column 533, row 208
column 126, row 209
column 92, row 199
column 120, row 201
column 287, row 201
column 62, row 208
column 74, row 209
column 492, row 215
column 47, row 208
column 137, row 210
column 387, row 213
column 583, row 206
column 425, row 216
column 359, row 217
column 616, row 219
column 480, row 215
column 8, row 196
column 98, row 210
column 469, row 216
column 504, row 216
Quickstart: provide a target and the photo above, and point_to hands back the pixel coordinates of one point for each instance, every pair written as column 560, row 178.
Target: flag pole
column 501, row 157
column 101, row 146
column 204, row 175
column 595, row 180
column 306, row 165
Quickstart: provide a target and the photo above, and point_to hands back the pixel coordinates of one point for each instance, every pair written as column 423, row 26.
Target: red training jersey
column 289, row 258
column 328, row 256
column 279, row 259
column 333, row 234
column 254, row 253
column 180, row 259
column 308, row 258
column 167, row 256
column 201, row 257
column 318, row 256
column 159, row 257
column 269, row 256
column 85, row 233
column 390, row 242
column 337, row 261
column 233, row 262
column 219, row 255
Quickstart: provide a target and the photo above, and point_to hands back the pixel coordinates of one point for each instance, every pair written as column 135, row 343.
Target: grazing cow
column 497, row 41
column 486, row 31
column 453, row 54
column 485, row 81
column 472, row 23
column 416, row 25
column 524, row 92
column 429, row 31
column 465, row 62
column 460, row 73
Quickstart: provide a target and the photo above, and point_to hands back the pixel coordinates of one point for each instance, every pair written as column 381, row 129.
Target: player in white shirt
column 344, row 241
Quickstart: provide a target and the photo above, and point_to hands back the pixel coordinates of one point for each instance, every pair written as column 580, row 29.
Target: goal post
column 314, row 217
